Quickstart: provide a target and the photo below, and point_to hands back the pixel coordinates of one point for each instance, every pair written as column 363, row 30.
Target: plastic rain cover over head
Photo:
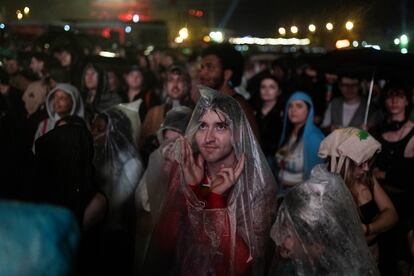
column 318, row 231
column 117, row 160
column 190, row 239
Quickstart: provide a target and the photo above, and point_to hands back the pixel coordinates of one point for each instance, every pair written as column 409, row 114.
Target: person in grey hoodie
column 62, row 101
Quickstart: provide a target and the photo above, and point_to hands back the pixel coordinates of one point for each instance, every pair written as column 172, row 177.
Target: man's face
column 214, row 138
column 211, row 72
column 349, row 88
column 65, row 58
column 91, row 78
column 11, row 66
column 134, row 79
column 36, row 65
column 62, row 103
column 175, row 86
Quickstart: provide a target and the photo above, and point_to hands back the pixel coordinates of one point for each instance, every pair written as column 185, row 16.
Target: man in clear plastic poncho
column 220, row 202
column 318, row 232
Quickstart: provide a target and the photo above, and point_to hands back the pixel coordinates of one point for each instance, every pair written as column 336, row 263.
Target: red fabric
column 168, row 231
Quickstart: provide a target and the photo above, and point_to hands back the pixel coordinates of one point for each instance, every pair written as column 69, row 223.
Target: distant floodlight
column 329, row 26
column 404, row 39
column 312, row 28
column 26, row 10
column 349, row 25
column 128, row 29
column 355, row 43
column 343, row 43
column 404, row 51
column 178, row 39
column 217, row 36
column 183, row 32
column 294, row 29
column 396, row 41
column 135, row 18
column 2, row 26
column 282, row 31
column 66, row 28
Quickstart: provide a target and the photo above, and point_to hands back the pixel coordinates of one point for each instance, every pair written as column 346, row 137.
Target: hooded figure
column 310, row 139
column 318, row 232
column 119, row 170
column 72, row 105
column 152, row 189
column 200, row 232
column 95, row 91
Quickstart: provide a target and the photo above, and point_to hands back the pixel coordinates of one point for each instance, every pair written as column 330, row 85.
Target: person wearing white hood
column 62, row 101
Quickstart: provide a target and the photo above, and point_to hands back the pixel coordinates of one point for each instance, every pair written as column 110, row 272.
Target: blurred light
column 282, row 31
column 312, row 28
column 404, row 39
column 196, row 13
column 396, row 41
column 376, row 47
column 18, row 11
column 364, row 43
column 269, row 41
column 329, row 26
column 349, row 25
column 19, row 15
column 66, row 27
column 206, row 39
column 47, row 46
column 178, row 39
column 183, row 32
column 128, row 29
column 107, row 54
column 217, row 36
column 294, row 29
column 355, row 43
column 2, row 26
column 404, row 51
column 148, row 50
column 343, row 43
column 26, row 10
column 135, row 18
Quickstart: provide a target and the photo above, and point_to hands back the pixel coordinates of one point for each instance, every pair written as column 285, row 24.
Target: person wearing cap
column 177, row 89
column 222, row 69
column 348, row 110
column 63, row 100
column 350, row 152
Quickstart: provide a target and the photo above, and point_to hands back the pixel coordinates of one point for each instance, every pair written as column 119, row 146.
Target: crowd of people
column 208, row 166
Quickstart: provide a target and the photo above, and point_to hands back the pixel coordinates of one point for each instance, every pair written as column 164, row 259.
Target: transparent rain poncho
column 318, row 232
column 118, row 164
column 188, row 238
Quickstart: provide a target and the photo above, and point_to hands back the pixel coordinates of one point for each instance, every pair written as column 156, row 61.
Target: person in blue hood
column 299, row 142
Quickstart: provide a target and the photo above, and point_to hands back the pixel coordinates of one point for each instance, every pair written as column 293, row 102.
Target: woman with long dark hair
column 299, row 142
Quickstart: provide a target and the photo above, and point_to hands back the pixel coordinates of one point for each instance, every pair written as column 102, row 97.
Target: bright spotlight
column 312, row 28
column 349, row 25
column 294, row 29
column 329, row 26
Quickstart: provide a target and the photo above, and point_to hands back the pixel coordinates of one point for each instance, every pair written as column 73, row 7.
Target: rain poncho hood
column 312, row 136
column 200, row 231
column 118, row 162
column 176, row 119
column 318, row 230
column 77, row 107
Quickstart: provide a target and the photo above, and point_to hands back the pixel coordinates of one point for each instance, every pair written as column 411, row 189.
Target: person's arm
column 95, row 211
column 387, row 216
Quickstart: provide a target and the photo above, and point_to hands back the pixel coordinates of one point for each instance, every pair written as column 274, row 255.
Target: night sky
column 254, row 17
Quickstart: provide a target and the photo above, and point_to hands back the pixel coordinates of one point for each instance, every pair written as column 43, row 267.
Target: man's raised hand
column 227, row 177
column 193, row 170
